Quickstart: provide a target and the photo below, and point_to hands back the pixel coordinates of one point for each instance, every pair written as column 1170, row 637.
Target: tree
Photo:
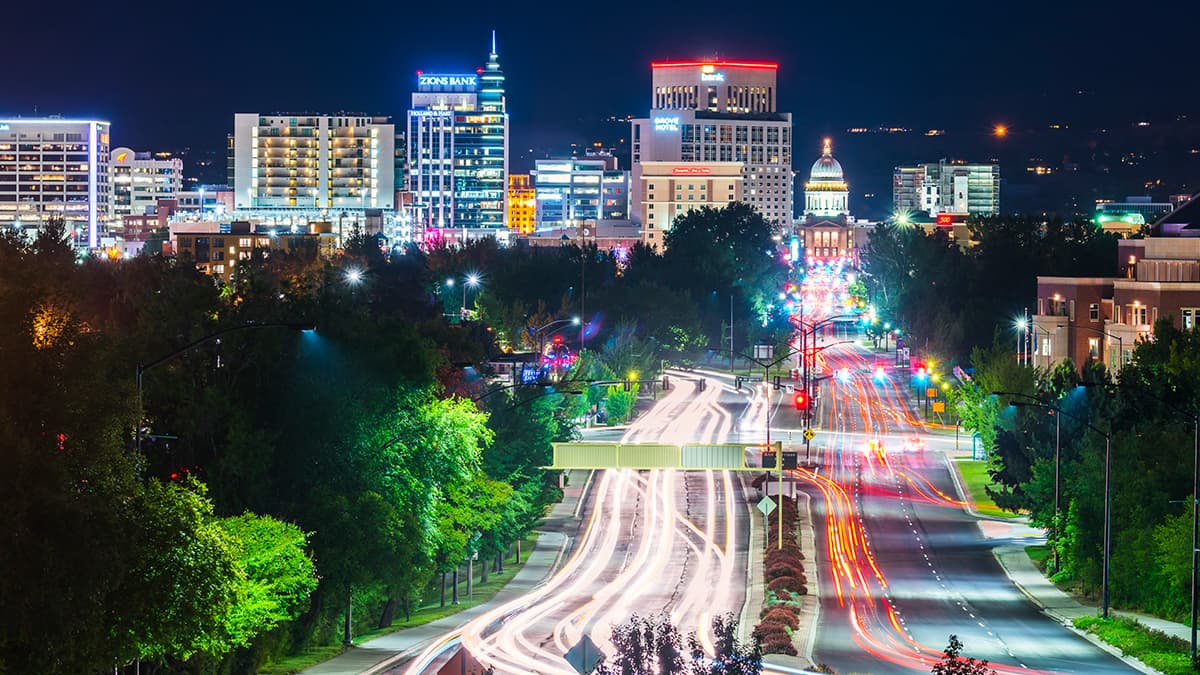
column 653, row 646
column 279, row 574
column 954, row 664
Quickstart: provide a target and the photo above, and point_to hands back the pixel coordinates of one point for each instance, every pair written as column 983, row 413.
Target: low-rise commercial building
column 1102, row 319
column 522, row 203
column 140, row 179
column 570, row 190
column 218, row 248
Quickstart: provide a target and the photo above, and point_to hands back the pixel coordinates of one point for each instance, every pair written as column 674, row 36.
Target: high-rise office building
column 721, row 111
column 55, row 167
column 457, row 156
column 140, row 179
column 312, row 162
column 573, row 190
column 947, row 187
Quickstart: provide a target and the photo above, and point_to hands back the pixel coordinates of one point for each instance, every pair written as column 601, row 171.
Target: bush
column 767, row 628
column 779, row 644
column 785, row 583
column 784, row 570
column 783, row 615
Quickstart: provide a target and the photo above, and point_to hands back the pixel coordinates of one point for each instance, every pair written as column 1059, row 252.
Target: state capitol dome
column 826, row 193
column 826, row 167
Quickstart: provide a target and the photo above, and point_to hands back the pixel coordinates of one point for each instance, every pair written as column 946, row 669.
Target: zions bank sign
column 447, row 80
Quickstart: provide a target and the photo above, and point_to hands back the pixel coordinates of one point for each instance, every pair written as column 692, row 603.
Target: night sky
column 170, row 75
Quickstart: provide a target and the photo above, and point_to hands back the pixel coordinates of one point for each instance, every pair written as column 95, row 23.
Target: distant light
column 1021, row 324
column 1000, row 131
column 354, row 276
column 575, row 321
column 472, row 279
column 450, row 282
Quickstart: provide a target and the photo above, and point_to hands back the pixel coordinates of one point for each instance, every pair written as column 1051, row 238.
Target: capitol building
column 827, row 230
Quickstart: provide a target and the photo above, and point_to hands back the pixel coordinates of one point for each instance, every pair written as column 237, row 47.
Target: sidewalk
column 558, row 536
column 1063, row 607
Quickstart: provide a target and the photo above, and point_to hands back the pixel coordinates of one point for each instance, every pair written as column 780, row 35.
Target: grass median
column 1156, row 649
column 427, row 611
column 976, row 479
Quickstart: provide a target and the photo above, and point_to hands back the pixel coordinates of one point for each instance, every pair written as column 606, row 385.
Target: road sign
column 939, row 406
column 809, row 434
column 584, row 656
column 766, row 505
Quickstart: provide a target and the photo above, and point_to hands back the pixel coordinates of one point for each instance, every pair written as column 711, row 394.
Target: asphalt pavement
column 903, row 565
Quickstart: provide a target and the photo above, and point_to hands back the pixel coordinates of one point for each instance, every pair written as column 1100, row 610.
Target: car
column 914, row 444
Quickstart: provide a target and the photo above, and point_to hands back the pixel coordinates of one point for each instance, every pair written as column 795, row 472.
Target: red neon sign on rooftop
column 729, row 64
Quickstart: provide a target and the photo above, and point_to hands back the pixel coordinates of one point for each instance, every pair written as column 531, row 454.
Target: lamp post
column 472, row 281
column 533, row 332
column 1057, row 459
column 143, row 367
column 1107, row 492
column 1022, row 329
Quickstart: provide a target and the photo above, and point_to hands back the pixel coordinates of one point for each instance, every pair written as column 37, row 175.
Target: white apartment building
column 55, row 167
column 721, row 111
column 313, row 162
column 140, row 179
column 671, row 189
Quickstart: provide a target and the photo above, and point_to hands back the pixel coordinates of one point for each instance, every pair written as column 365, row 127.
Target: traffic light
column 776, row 383
column 801, row 400
column 666, row 383
column 737, row 382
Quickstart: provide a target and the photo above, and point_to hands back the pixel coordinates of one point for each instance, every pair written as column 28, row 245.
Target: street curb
column 965, row 497
column 808, row 536
column 1130, row 661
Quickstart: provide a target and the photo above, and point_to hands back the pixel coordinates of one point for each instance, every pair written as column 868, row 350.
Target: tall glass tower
column 458, row 150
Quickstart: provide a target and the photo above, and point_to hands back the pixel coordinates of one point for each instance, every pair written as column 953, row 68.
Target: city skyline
column 838, row 72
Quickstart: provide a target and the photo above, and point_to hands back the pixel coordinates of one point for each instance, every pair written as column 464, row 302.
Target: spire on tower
column 828, row 147
column 494, row 42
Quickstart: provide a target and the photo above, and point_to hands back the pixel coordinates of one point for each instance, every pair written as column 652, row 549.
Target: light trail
column 846, row 477
column 642, row 551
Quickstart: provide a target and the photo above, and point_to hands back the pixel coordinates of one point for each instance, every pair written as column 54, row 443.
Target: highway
column 653, row 541
column 903, row 565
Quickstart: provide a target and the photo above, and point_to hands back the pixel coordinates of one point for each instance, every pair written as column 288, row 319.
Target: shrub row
column 786, row 582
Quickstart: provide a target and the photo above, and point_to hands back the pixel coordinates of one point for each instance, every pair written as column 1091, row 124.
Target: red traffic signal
column 801, row 401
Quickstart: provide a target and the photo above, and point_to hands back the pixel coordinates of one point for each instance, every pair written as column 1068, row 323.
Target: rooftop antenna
column 493, row 41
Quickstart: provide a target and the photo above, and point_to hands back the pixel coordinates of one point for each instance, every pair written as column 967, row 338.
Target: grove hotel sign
column 691, row 170
column 447, row 80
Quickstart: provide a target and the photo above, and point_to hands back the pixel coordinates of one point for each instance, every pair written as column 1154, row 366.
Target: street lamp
column 143, row 367
column 472, row 281
column 533, row 332
column 1107, row 492
column 353, row 276
column 1022, row 327
column 1057, row 458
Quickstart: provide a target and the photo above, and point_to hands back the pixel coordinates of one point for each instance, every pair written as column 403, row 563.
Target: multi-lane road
column 902, row 564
